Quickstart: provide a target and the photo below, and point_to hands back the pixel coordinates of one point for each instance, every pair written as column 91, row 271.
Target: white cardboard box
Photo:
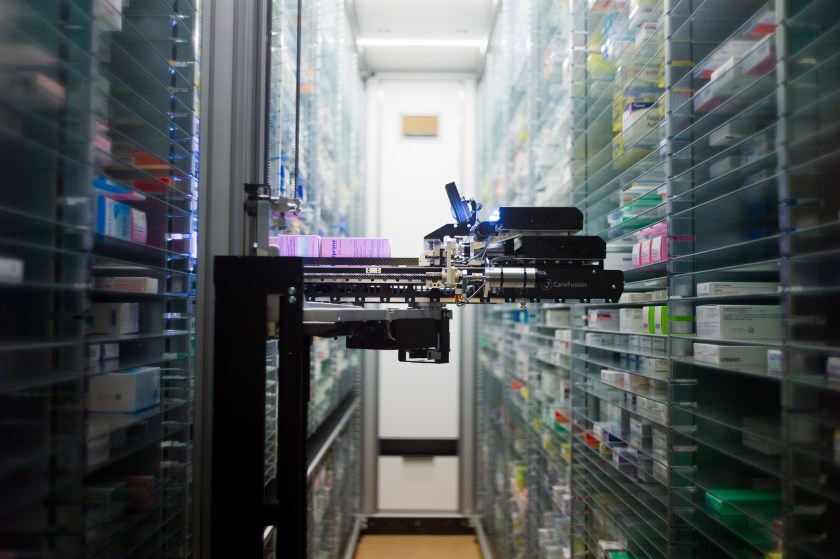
column 630, row 320
column 730, row 354
column 129, row 390
column 11, row 270
column 757, row 322
column 115, row 318
column 130, row 284
column 734, row 288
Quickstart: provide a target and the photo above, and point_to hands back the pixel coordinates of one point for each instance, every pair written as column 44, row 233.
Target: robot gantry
column 521, row 254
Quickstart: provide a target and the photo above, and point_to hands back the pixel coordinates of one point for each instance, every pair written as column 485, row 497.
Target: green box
column 723, row 501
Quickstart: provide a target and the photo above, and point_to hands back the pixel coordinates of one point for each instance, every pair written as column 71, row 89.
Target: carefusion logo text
column 334, row 247
column 570, row 284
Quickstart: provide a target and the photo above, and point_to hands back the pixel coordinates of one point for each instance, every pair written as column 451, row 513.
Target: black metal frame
column 242, row 504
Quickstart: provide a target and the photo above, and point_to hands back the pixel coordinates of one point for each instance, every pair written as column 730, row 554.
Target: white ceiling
column 422, row 20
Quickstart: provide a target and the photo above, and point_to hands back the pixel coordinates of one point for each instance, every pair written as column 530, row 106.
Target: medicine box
column 730, row 133
column 129, row 284
column 636, row 255
column 128, row 390
column 774, row 362
column 603, row 319
column 724, row 165
column 739, row 321
column 762, row 434
column 11, row 270
column 659, row 444
column 725, row 502
column 115, row 318
column 832, row 369
column 734, row 48
column 660, row 472
column 119, row 220
column 659, row 346
column 730, row 354
column 760, row 59
column 110, row 351
column 644, row 253
column 630, row 320
column 558, row 317
column 735, row 288
column 297, row 245
column 355, row 247
column 659, row 249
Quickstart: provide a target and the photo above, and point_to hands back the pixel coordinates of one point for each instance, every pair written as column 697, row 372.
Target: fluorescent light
column 420, row 42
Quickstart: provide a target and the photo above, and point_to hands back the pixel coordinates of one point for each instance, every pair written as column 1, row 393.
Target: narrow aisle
column 418, row 547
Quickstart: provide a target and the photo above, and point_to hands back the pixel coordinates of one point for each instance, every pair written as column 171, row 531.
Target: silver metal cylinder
column 521, row 278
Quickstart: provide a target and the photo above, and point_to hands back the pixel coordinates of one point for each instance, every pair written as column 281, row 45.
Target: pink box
column 644, row 253
column 297, row 245
column 139, row 231
column 637, row 255
column 355, row 247
column 659, row 249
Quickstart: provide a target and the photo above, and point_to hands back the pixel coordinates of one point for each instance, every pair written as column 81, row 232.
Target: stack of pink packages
column 331, row 247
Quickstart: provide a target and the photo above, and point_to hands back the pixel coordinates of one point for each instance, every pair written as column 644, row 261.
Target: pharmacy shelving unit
column 318, row 164
column 808, row 69
column 507, row 441
column 703, row 139
column 100, row 113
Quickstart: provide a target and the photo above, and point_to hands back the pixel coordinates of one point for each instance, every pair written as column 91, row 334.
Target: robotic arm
column 522, row 254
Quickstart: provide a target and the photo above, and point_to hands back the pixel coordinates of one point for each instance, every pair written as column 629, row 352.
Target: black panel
column 541, row 219
column 418, row 447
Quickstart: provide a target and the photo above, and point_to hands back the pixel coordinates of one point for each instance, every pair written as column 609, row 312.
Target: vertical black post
column 292, row 407
column 240, row 508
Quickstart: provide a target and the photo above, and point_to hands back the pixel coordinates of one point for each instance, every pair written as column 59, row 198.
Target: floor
column 418, row 547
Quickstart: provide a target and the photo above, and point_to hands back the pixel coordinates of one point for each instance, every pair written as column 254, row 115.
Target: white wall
column 405, row 201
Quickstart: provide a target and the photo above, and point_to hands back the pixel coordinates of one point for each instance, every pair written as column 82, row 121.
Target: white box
column 129, row 284
column 355, row 247
column 115, row 318
column 636, row 255
column 98, row 450
column 760, row 433
column 730, row 354
column 637, row 120
column 760, row 59
column 633, row 343
column 655, row 367
column 11, row 270
column 832, row 368
column 297, row 245
column 730, row 79
column 734, row 48
column 659, row 346
column 660, row 472
column 757, row 322
column 647, row 319
column 558, row 317
column 644, row 253
column 603, row 319
column 125, row 391
column 110, row 351
column 774, row 362
column 755, row 148
column 730, row 133
column 94, row 353
column 724, row 165
column 109, row 15
column 630, row 320
column 735, row 288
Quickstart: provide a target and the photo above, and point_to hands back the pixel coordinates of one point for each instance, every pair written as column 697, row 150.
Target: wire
column 467, row 300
